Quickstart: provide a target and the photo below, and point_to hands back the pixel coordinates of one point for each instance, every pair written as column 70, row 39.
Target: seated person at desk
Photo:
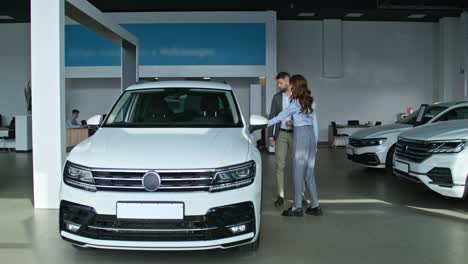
column 73, row 122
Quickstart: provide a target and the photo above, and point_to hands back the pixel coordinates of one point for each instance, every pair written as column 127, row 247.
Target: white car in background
column 437, row 156
column 374, row 147
column 172, row 167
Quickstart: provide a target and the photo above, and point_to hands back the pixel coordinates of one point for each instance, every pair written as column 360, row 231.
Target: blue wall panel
column 173, row 44
column 83, row 47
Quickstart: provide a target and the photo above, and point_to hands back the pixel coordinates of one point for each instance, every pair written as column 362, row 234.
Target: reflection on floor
column 369, row 217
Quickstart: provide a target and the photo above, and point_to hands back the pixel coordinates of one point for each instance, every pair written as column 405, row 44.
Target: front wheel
column 252, row 246
column 389, row 161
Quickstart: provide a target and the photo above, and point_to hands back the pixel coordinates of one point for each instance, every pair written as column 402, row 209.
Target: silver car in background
column 374, row 147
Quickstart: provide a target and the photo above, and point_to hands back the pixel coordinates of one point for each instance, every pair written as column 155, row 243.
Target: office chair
column 378, row 123
column 353, row 122
column 336, row 136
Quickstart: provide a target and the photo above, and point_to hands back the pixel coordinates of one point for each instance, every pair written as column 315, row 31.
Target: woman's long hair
column 301, row 92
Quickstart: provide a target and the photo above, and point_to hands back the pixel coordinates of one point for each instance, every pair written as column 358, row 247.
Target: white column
column 451, row 60
column 48, row 99
column 129, row 65
column 271, row 61
column 464, row 18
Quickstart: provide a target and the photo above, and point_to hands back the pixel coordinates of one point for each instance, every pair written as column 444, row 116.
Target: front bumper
column 445, row 174
column 211, row 230
column 208, row 231
column 372, row 156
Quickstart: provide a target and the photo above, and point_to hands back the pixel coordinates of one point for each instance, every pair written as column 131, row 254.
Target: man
column 282, row 139
column 73, row 122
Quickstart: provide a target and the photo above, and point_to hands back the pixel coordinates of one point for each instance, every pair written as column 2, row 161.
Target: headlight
column 452, row 146
column 367, row 142
column 233, row 177
column 79, row 177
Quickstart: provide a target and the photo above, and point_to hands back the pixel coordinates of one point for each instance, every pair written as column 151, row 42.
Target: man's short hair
column 282, row 75
column 75, row 111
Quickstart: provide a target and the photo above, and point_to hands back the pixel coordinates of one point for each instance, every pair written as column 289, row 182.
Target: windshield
column 175, row 107
column 431, row 112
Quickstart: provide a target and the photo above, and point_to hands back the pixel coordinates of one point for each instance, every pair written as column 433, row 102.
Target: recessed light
column 206, row 78
column 6, row 17
column 416, row 16
column 156, row 78
column 306, row 14
column 354, row 15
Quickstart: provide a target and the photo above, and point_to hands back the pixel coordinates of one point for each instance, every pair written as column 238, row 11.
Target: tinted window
column 455, row 114
column 175, row 107
column 431, row 112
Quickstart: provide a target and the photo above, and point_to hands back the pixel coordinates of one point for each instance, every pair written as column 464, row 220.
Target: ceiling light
column 206, row 78
column 416, row 16
column 354, row 15
column 306, row 14
column 6, row 17
column 156, row 78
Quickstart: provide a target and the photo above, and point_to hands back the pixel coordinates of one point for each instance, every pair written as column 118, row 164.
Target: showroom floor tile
column 369, row 217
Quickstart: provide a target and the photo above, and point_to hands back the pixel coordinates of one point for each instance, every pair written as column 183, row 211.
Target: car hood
column 439, row 131
column 380, row 131
column 162, row 148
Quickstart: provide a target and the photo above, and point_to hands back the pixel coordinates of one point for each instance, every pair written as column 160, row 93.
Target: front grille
column 214, row 225
column 441, row 176
column 172, row 181
column 415, row 151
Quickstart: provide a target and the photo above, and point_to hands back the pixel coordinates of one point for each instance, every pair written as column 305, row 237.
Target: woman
column 302, row 110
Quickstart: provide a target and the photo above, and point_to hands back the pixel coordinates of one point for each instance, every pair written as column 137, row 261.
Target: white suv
column 435, row 155
column 172, row 167
column 374, row 147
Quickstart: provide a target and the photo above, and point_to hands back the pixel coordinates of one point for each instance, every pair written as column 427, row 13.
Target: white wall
column 91, row 96
column 15, row 69
column 387, row 67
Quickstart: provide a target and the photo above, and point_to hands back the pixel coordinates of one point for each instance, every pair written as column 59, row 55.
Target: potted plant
column 27, row 96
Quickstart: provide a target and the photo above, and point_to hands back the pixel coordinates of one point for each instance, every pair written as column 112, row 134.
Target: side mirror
column 257, row 122
column 95, row 120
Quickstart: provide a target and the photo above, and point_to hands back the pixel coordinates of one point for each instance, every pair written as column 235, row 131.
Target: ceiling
column 375, row 10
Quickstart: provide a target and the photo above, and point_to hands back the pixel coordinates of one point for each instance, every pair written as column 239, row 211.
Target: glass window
column 175, row 107
column 431, row 112
column 455, row 114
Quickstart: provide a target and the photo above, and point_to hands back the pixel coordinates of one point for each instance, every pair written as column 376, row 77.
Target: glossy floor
column 370, row 217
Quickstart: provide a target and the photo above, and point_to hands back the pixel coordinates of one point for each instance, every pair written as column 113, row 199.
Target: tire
column 252, row 247
column 389, row 160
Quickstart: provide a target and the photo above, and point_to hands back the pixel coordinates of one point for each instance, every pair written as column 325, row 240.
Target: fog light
column 72, row 227
column 238, row 229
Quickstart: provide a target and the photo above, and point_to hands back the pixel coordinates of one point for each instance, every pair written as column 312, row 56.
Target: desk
column 343, row 129
column 76, row 135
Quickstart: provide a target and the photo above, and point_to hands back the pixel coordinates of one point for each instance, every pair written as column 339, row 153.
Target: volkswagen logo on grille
column 151, row 181
column 406, row 148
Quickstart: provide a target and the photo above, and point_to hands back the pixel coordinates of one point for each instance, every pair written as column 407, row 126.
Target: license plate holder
column 401, row 166
column 150, row 210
